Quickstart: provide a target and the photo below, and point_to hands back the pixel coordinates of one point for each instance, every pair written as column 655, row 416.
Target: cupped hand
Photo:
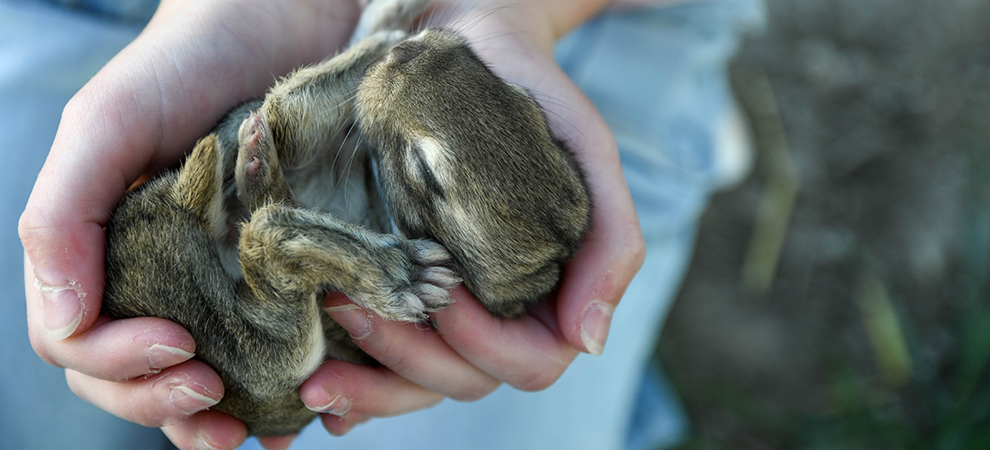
column 194, row 61
column 472, row 352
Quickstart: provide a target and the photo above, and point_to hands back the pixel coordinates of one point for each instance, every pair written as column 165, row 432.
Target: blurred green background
column 839, row 297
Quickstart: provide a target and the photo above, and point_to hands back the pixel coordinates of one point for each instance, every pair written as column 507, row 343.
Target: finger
column 118, row 350
column 276, row 442
column 339, row 426
column 524, row 352
column 412, row 351
column 164, row 399
column 207, row 430
column 595, row 280
column 614, row 248
column 63, row 276
column 345, row 390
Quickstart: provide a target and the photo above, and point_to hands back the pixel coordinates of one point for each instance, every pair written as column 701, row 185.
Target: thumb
column 83, row 177
column 66, row 264
column 61, row 230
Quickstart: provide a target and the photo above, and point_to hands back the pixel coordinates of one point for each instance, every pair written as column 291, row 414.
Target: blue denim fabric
column 137, row 11
column 657, row 76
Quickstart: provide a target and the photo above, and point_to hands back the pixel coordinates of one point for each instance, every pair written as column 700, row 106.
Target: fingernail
column 157, row 357
column 162, row 356
column 595, row 326
column 62, row 308
column 353, row 319
column 189, row 401
column 339, row 406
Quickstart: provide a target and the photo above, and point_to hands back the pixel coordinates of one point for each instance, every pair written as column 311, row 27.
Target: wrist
column 542, row 21
column 565, row 15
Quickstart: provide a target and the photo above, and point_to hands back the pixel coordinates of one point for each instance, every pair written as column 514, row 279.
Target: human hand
column 473, row 353
column 194, row 61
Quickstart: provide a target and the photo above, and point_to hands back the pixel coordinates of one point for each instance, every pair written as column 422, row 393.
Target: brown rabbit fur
column 241, row 244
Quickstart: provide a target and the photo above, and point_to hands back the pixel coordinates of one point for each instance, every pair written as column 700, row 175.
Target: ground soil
column 869, row 317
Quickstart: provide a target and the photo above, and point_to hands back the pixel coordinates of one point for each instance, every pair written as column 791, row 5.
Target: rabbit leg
column 287, row 249
column 258, row 174
column 290, row 252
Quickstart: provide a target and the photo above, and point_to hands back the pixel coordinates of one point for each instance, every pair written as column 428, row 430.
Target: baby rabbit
column 467, row 160
column 241, row 244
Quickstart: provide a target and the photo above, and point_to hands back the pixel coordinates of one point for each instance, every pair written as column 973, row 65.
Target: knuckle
column 74, row 381
column 538, row 380
column 476, row 392
column 31, row 226
column 40, row 346
column 382, row 351
column 636, row 246
column 79, row 105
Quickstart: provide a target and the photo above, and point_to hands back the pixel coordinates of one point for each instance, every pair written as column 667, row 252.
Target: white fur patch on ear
column 436, row 157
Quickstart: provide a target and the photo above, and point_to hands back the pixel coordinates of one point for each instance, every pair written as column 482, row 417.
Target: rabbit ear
column 200, row 186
